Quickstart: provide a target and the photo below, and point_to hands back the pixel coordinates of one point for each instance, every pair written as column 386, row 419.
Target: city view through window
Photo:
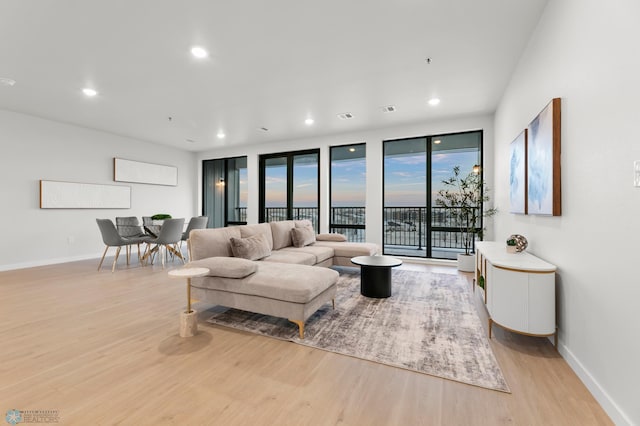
column 413, row 173
column 413, row 224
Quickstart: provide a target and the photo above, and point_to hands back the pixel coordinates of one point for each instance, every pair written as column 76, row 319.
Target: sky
column 305, row 177
column 404, row 180
column 348, row 183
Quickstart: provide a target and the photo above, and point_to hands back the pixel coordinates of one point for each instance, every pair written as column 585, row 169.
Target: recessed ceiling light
column 437, row 141
column 352, row 150
column 434, row 101
column 89, row 92
column 7, row 81
column 199, row 52
column 221, row 135
column 345, row 116
column 308, row 121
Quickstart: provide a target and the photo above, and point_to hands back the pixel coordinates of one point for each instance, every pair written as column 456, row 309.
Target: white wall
column 34, row 149
column 373, row 139
column 586, row 52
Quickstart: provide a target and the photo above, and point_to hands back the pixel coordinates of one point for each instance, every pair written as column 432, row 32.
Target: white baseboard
column 608, row 404
column 45, row 262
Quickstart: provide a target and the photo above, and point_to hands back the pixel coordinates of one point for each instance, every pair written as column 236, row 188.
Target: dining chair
column 197, row 222
column 111, row 238
column 129, row 227
column 147, row 223
column 167, row 240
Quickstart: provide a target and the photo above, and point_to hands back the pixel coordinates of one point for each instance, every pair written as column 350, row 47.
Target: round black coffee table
column 375, row 274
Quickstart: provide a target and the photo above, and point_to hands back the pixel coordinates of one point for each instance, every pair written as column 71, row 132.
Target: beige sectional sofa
column 273, row 276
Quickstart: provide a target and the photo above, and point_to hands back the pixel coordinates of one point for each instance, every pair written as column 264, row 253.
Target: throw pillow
column 226, row 267
column 303, row 236
column 331, row 237
column 281, row 233
column 253, row 248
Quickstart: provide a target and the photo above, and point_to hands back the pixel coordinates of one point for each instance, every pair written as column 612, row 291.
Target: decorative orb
column 521, row 242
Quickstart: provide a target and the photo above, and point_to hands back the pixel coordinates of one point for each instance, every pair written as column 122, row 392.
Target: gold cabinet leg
column 300, row 327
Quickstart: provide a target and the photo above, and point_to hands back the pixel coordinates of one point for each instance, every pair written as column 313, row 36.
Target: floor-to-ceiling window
column 289, row 186
column 414, row 169
column 348, row 191
column 225, row 191
column 236, row 191
column 405, row 196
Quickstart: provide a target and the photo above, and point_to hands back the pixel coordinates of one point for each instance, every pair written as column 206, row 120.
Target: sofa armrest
column 331, row 237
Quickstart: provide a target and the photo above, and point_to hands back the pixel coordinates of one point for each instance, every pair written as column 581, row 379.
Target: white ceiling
column 272, row 64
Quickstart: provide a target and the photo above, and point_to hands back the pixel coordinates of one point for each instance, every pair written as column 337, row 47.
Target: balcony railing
column 240, row 216
column 405, row 228
column 273, row 214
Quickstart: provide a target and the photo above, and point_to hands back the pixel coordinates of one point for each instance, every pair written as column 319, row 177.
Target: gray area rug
column 428, row 325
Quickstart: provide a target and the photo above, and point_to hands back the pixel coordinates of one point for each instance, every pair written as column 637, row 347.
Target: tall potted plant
column 464, row 197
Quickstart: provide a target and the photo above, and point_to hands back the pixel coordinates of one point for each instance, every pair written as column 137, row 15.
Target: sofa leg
column 300, row 327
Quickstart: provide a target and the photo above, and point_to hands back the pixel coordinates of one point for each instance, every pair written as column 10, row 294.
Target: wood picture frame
column 518, row 174
column 141, row 172
column 543, row 162
column 77, row 195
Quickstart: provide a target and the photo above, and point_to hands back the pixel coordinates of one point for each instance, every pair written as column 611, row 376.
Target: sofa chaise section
column 289, row 291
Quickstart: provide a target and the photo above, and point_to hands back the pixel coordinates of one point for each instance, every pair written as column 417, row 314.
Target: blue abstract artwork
column 517, row 174
column 540, row 163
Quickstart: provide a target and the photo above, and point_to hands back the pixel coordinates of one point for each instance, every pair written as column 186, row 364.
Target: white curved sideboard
column 518, row 289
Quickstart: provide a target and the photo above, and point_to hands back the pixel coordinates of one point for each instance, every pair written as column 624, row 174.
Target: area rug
column 428, row 325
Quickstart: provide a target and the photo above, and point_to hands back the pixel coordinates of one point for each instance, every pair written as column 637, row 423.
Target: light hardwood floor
column 103, row 349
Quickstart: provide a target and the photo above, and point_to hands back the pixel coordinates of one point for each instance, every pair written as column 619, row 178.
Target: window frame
column 289, row 155
column 333, row 226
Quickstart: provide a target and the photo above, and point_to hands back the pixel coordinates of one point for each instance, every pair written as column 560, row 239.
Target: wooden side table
column 188, row 319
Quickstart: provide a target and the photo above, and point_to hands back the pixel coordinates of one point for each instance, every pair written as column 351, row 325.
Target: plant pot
column 466, row 262
column 512, row 249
